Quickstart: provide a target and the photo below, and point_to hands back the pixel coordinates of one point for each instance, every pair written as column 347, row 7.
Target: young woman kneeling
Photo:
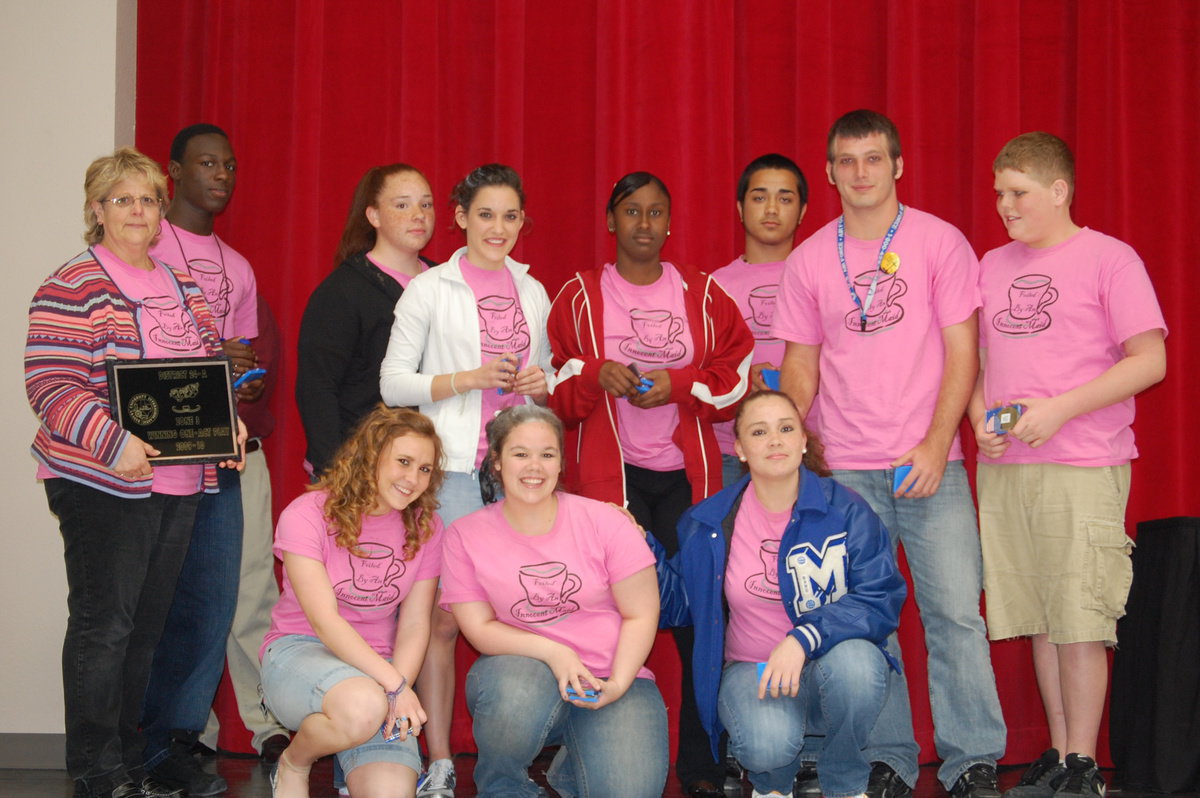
column 559, row 595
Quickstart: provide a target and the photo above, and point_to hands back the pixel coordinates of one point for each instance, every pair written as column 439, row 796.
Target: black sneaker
column 734, row 773
column 156, row 789
column 1081, row 777
column 127, row 790
column 977, row 781
column 807, row 782
column 886, row 783
column 182, row 771
column 1041, row 778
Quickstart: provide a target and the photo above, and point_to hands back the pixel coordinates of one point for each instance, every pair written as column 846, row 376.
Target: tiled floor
column 248, row 779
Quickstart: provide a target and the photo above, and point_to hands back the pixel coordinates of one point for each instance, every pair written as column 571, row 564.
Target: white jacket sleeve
column 543, row 337
column 400, row 381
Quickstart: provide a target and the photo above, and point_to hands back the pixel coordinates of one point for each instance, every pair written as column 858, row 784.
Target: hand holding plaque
column 181, row 407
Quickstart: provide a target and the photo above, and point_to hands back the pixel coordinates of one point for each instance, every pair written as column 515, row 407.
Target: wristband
column 392, row 694
column 452, row 376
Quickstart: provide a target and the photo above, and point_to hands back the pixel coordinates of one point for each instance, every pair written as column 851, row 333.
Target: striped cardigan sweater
column 78, row 320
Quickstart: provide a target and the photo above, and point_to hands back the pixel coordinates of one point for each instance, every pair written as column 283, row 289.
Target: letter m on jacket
column 818, row 575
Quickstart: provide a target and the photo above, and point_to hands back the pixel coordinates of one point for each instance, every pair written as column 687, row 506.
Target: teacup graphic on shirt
column 548, row 588
column 1026, row 314
column 216, row 286
column 502, row 326
column 762, row 311
column 374, row 568
column 884, row 310
column 654, row 340
column 170, row 325
column 765, row 583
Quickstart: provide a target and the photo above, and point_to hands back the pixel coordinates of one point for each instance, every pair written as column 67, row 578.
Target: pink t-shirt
column 757, row 619
column 878, row 388
column 167, row 330
column 502, row 328
column 224, row 275
column 647, row 325
column 754, row 287
column 369, row 586
column 557, row 585
column 395, row 274
column 1055, row 318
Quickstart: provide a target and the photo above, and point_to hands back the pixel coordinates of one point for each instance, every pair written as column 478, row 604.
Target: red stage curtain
column 576, row 94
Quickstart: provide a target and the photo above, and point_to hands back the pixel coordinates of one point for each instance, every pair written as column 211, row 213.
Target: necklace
column 862, row 306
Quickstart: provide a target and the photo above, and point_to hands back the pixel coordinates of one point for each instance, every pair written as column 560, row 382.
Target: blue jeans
column 298, row 670
column 941, row 541
column 191, row 654
column 732, row 469
column 459, row 496
column 123, row 557
column 841, row 695
column 620, row 749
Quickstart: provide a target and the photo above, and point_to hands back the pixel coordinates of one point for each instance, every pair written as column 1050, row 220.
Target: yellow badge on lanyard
column 890, row 263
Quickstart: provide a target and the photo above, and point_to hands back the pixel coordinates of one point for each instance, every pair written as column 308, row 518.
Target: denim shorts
column 1055, row 553
column 297, row 672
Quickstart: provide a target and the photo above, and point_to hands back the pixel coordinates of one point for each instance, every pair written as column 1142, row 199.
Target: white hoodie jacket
column 436, row 331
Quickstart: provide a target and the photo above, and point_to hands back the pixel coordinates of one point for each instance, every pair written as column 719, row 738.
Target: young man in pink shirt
column 1070, row 332
column 190, row 656
column 772, row 197
column 878, row 309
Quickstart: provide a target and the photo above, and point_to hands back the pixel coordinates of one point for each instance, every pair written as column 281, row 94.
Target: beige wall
column 67, row 90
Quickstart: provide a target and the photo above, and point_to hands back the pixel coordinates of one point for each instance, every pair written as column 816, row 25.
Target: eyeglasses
column 126, row 201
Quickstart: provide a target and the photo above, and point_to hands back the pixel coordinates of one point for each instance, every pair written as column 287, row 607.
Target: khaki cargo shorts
column 1056, row 559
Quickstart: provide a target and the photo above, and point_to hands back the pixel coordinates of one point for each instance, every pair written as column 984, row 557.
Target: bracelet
column 391, row 694
column 452, row 376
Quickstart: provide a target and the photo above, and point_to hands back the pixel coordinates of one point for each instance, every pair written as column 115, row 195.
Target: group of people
column 734, row 455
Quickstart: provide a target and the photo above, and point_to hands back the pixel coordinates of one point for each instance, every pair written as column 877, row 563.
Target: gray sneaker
column 438, row 780
column 1041, row 778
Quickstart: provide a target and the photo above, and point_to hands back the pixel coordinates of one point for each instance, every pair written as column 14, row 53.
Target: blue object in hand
column 588, row 694
column 249, row 376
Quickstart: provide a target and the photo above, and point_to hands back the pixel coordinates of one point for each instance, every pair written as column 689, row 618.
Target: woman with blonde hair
column 361, row 556
column 125, row 521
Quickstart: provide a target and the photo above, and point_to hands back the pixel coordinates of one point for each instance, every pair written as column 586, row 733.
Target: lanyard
column 841, row 245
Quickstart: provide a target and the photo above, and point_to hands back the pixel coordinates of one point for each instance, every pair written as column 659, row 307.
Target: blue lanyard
column 841, row 244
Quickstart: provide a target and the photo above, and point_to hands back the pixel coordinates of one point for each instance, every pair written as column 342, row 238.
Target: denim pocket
column 1107, row 567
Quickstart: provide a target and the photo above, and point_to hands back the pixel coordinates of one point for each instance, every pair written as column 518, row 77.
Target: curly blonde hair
column 351, row 481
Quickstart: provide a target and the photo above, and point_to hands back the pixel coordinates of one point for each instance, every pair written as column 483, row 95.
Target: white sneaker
column 438, row 780
column 771, row 794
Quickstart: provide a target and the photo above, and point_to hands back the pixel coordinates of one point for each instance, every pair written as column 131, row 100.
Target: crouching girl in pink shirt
column 361, row 555
column 558, row 593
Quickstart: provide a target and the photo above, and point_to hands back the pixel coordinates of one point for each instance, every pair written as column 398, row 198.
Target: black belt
column 253, row 445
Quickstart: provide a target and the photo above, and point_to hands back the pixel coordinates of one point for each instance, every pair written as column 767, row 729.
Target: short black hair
column 772, row 160
column 180, row 142
column 631, row 183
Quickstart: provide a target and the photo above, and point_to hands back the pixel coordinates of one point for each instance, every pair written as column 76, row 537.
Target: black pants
column 657, row 499
column 123, row 558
